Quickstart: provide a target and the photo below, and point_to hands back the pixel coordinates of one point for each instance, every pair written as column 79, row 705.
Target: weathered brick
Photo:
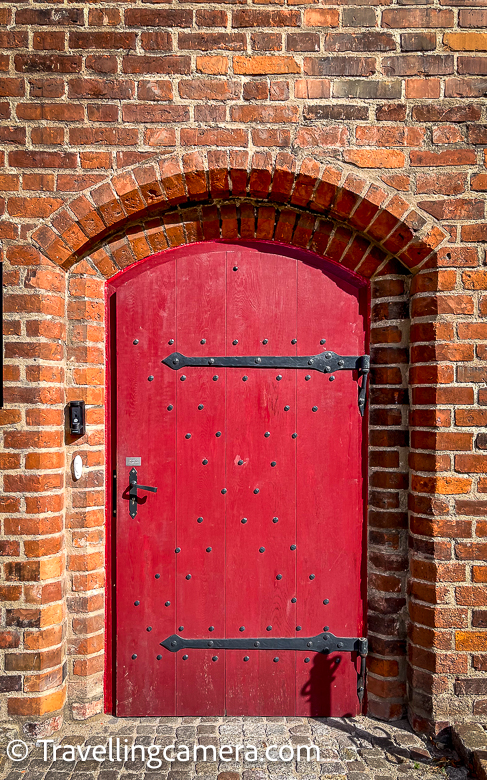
column 257, row 65
column 418, row 41
column 340, row 66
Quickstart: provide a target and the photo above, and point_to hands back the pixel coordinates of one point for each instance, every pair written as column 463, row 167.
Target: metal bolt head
column 310, row 362
column 242, row 628
column 299, row 628
column 157, row 576
column 326, row 628
column 235, row 267
column 215, row 658
column 200, row 407
column 240, row 463
column 306, row 660
column 326, row 601
column 171, row 342
column 174, row 644
column 293, row 547
column 256, row 491
column 244, row 378
column 150, row 378
column 218, row 434
column 244, row 520
column 265, row 341
column 167, row 604
column 256, row 644
column 199, row 520
column 287, row 408
column 175, row 361
column 182, row 378
column 180, row 628
column 294, row 341
column 209, row 549
column 215, row 378
column 328, row 355
column 309, row 644
column 211, row 362
column 278, row 576
column 258, row 360
column 235, row 342
column 279, row 377
column 312, row 576
column 178, row 550
column 185, row 657
column 203, row 341
column 149, row 628
column 136, row 603
column 261, row 549
column 267, row 434
column 211, row 628
column 205, row 461
column 188, row 576
column 314, row 409
column 269, row 628
column 273, row 463
column 322, row 341
column 159, row 657
column 307, row 377
column 275, row 519
column 170, row 408
column 331, row 379
column 187, row 436
column 135, row 341
column 294, row 436
column 134, row 656
column 340, row 644
column 224, row 490
column 276, row 659
column 210, row 644
column 246, row 658
column 341, row 362
column 293, row 600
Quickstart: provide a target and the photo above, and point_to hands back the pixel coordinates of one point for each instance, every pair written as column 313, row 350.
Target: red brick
column 451, row 157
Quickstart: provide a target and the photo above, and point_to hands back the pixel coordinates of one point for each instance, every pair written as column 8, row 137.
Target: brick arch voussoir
column 181, row 198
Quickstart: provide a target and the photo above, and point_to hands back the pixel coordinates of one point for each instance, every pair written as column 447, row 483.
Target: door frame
column 336, row 269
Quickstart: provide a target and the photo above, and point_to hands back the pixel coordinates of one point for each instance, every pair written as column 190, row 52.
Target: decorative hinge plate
column 325, row 362
column 322, row 643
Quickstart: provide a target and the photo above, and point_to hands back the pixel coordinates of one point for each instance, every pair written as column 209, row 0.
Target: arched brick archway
column 322, row 206
column 109, row 212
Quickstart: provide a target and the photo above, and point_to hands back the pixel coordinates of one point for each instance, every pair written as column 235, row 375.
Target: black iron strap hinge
column 325, row 362
column 322, row 643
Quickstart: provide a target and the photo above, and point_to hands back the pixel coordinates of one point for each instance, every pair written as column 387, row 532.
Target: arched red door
column 255, row 533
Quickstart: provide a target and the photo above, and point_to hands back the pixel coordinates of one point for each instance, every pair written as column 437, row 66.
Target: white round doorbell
column 77, row 467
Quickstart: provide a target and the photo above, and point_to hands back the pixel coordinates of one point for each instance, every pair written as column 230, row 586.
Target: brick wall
column 356, row 130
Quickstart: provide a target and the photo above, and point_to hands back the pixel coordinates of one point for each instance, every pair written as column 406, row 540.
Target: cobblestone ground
column 350, row 749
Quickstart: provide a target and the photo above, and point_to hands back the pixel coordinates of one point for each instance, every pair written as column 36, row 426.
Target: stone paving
column 350, row 749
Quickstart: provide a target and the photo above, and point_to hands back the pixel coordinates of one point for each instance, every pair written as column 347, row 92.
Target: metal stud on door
column 243, row 555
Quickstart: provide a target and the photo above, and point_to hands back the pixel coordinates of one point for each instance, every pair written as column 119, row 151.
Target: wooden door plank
column 200, row 562
column 261, row 305
column 145, row 570
column 329, row 497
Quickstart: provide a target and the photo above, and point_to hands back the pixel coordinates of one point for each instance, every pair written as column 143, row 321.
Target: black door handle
column 133, row 488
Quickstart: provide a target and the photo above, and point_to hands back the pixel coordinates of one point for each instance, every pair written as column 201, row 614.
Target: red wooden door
column 256, row 529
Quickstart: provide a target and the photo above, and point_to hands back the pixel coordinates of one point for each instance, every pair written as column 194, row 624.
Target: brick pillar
column 444, row 505
column 33, row 492
column 388, row 483
column 85, row 516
